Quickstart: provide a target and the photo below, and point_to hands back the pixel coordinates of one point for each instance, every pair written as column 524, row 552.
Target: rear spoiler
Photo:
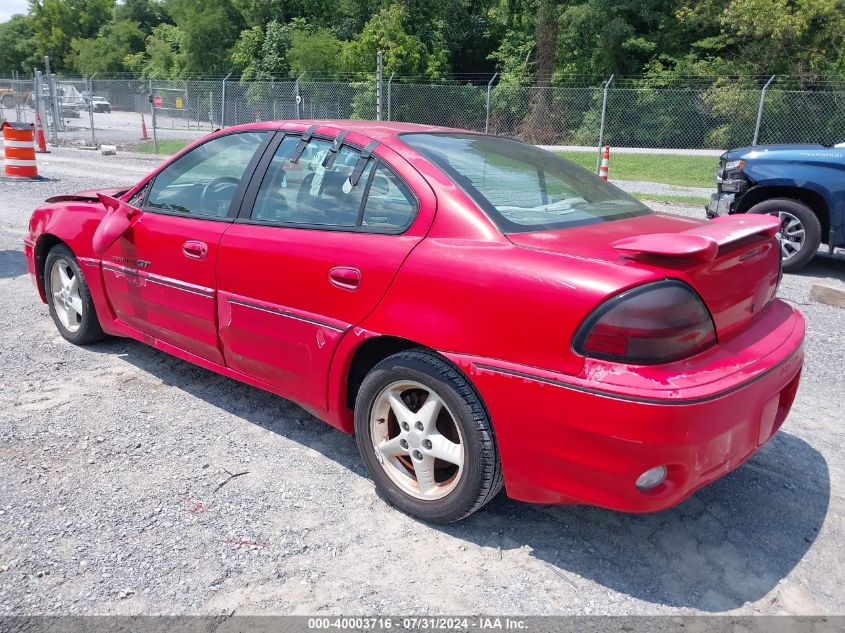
column 702, row 242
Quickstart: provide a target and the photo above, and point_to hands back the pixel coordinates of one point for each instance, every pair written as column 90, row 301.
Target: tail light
column 655, row 323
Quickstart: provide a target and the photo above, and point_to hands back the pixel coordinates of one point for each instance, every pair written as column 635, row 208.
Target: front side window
column 523, row 188
column 308, row 193
column 204, row 181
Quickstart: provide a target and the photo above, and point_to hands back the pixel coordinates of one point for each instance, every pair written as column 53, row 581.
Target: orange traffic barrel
column 19, row 152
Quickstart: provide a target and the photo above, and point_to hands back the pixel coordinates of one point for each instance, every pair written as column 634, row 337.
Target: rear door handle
column 194, row 249
column 345, row 277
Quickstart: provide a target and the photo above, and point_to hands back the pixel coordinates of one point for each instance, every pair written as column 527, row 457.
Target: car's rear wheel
column 69, row 298
column 426, row 437
column 800, row 232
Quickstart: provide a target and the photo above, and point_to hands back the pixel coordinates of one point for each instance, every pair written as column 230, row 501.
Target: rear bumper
column 587, row 439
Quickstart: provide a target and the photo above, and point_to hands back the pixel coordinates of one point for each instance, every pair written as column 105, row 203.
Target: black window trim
column 247, row 202
column 237, row 199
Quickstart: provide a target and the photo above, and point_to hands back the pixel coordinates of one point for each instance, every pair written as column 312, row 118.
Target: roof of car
column 383, row 131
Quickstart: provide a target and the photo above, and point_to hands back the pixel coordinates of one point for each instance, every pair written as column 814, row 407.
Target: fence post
column 390, row 96
column 16, row 90
column 487, row 116
column 601, row 124
column 223, row 103
column 379, row 82
column 298, row 96
column 153, row 117
column 90, row 82
column 51, row 87
column 760, row 109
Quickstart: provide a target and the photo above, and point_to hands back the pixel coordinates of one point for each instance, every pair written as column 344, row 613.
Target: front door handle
column 195, row 249
column 345, row 277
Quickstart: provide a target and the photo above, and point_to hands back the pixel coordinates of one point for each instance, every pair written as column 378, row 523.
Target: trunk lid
column 89, row 196
column 734, row 263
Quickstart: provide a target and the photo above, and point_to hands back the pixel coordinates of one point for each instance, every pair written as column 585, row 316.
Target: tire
column 795, row 216
column 8, row 101
column 78, row 327
column 421, row 378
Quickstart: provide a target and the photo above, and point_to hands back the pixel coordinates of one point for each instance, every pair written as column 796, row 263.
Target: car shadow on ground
column 731, row 543
column 825, row 266
column 12, row 264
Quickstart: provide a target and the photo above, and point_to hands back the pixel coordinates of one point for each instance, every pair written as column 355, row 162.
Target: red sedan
column 477, row 311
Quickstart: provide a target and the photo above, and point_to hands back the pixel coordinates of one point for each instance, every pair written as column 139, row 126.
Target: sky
column 8, row 8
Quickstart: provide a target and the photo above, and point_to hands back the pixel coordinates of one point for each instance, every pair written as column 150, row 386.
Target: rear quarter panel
column 497, row 301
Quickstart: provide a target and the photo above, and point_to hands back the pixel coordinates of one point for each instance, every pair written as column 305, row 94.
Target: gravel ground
column 112, row 459
column 662, row 189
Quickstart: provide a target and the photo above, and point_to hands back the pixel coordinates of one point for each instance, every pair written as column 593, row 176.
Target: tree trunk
column 539, row 125
column 546, row 26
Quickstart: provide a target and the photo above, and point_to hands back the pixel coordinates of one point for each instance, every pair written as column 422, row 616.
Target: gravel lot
column 112, row 458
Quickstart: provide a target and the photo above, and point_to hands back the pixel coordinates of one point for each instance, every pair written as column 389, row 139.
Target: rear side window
column 390, row 204
column 305, row 192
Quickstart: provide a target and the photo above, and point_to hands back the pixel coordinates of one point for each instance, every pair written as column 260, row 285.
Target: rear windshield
column 523, row 188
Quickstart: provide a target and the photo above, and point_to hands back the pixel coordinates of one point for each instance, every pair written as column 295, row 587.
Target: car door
column 160, row 274
column 311, row 254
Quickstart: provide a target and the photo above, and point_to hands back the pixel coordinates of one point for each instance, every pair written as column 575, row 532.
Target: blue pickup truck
column 804, row 185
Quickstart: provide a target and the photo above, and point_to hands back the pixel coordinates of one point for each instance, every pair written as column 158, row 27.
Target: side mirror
column 119, row 218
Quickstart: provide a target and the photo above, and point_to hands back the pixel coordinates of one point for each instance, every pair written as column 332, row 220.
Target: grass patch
column 697, row 201
column 165, row 146
column 685, row 171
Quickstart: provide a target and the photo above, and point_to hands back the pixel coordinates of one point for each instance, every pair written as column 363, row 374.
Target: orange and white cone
column 19, row 152
column 144, row 136
column 40, row 141
column 605, row 162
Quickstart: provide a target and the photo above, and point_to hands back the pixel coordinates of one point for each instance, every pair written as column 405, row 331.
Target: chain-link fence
column 712, row 114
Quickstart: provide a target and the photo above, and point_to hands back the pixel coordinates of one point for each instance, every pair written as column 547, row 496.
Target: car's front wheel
column 426, row 437
column 800, row 232
column 69, row 298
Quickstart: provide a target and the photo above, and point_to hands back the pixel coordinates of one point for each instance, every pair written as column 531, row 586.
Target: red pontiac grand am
column 477, row 311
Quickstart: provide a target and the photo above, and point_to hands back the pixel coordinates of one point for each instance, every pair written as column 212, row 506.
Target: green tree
column 17, row 45
column 162, row 57
column 209, row 30
column 55, row 24
column 147, row 14
column 263, row 54
column 404, row 53
column 107, row 52
column 314, row 50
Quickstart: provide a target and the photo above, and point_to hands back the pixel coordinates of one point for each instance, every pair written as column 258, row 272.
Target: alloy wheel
column 64, row 286
column 791, row 235
column 417, row 441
